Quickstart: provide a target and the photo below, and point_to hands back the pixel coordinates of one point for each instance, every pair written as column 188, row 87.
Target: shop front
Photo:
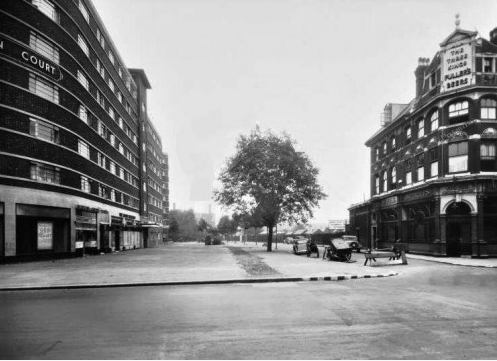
column 42, row 231
column 86, row 230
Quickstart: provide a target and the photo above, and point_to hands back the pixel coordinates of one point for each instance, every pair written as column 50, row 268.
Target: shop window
column 45, row 173
column 47, row 8
column 83, row 45
column 43, row 88
column 434, row 121
column 83, row 80
column 421, row 128
column 44, row 130
column 488, row 108
column 458, row 157
column 458, row 109
column 85, row 184
column 43, row 47
column 84, row 11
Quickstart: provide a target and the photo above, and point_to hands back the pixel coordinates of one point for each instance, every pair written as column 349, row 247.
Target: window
column 83, row 80
column 83, row 45
column 83, row 113
column 47, row 8
column 121, row 173
column 100, row 98
column 408, row 134
column 385, row 181
column 487, row 65
column 103, row 191
column 100, row 38
column 458, row 157
column 421, row 128
column 376, row 150
column 100, row 68
column 111, row 113
column 120, row 122
column 120, row 71
column 394, row 178
column 434, row 121
column 433, row 79
column 434, row 169
column 111, row 85
column 408, row 178
column 112, row 139
column 421, row 173
column 43, row 47
column 84, row 11
column 101, row 129
column 85, row 184
column 377, row 184
column 45, row 173
column 384, row 145
column 457, row 109
column 43, row 88
column 111, row 57
column 112, row 195
column 488, row 108
column 83, row 149
column 120, row 96
column 43, row 130
column 121, row 148
column 487, row 151
column 393, row 142
column 101, row 160
column 112, row 167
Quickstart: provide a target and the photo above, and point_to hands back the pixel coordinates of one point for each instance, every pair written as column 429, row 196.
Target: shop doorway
column 458, row 229
column 117, row 240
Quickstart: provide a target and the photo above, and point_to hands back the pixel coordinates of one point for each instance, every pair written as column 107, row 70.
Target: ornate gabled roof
column 458, row 35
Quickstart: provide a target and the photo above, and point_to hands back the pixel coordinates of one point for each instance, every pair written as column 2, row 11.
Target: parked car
column 300, row 245
column 353, row 242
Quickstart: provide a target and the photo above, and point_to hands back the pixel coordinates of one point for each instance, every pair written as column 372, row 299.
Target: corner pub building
column 81, row 165
column 433, row 162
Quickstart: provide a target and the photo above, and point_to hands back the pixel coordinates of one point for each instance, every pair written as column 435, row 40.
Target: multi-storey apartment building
column 433, row 162
column 77, row 148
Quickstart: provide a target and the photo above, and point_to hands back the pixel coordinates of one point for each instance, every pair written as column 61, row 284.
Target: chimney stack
column 493, row 36
column 420, row 75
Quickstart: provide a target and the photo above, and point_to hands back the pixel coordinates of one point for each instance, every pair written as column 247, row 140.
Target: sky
column 321, row 70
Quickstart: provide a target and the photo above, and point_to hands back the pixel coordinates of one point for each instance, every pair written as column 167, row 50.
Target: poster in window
column 45, row 235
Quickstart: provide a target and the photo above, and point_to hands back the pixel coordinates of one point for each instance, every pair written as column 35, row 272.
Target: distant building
column 81, row 164
column 433, row 162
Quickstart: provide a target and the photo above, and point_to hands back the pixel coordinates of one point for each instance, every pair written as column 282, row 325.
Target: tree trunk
column 270, row 239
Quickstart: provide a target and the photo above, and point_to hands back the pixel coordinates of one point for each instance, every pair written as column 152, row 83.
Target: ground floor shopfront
column 441, row 218
column 41, row 225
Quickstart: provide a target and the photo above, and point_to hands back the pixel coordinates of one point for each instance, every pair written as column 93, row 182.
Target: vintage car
column 353, row 242
column 300, row 245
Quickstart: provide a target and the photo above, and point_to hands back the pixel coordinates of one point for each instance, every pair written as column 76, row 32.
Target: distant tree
column 227, row 226
column 203, row 225
column 187, row 227
column 269, row 180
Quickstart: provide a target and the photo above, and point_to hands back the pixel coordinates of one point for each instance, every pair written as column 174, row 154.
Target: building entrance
column 458, row 230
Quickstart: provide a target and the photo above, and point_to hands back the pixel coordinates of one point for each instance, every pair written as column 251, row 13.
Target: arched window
column 394, row 176
column 489, row 133
column 459, row 108
column 488, row 108
column 434, row 120
column 421, row 128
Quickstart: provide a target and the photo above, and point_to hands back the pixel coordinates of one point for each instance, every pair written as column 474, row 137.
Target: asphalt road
column 430, row 311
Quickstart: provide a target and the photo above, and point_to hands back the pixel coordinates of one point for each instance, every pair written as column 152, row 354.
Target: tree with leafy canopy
column 269, row 180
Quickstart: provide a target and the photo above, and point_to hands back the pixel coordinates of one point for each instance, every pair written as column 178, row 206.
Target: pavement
column 196, row 263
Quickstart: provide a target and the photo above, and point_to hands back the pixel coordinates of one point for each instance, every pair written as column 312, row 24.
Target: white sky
column 322, row 70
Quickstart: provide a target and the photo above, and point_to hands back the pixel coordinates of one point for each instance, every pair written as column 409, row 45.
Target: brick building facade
column 433, row 162
column 80, row 161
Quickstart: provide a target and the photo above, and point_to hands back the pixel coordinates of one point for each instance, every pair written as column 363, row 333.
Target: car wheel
column 348, row 256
